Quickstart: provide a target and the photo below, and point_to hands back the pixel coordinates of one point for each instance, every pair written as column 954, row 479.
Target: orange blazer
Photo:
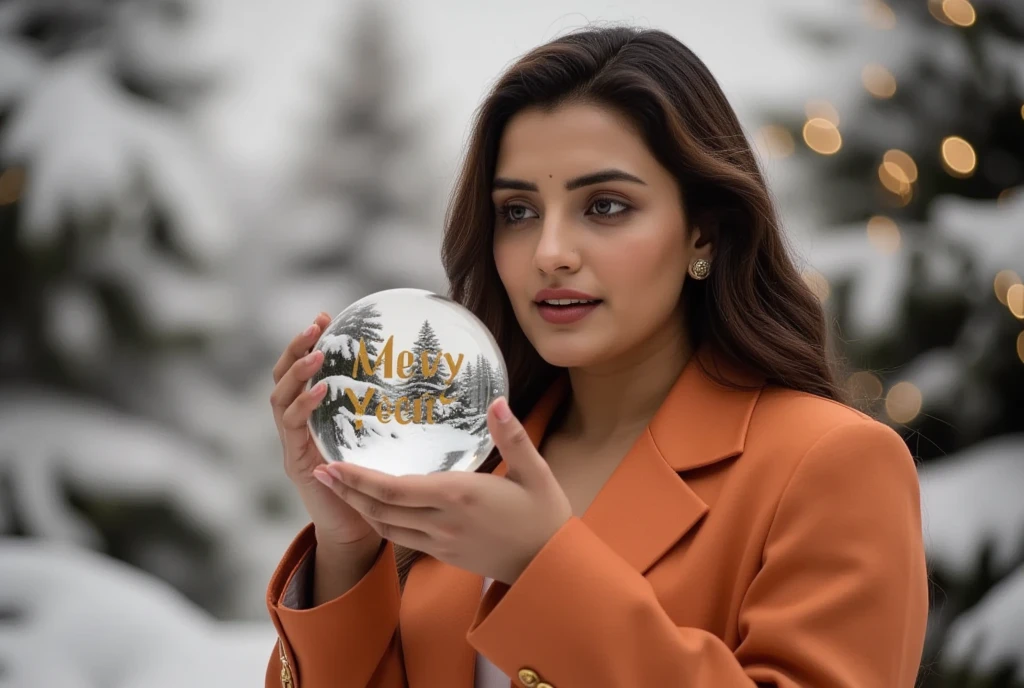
column 748, row 538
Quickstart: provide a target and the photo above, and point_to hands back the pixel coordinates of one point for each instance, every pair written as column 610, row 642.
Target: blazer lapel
column 641, row 512
column 646, row 507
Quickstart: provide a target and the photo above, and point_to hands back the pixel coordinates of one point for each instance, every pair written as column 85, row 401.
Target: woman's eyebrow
column 610, row 175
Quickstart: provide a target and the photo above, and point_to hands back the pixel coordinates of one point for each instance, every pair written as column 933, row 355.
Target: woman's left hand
column 483, row 523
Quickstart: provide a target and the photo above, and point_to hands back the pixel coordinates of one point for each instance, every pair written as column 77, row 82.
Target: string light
column 878, row 81
column 903, row 402
column 894, row 178
column 959, row 12
column 883, row 234
column 817, row 283
column 879, row 15
column 864, row 385
column 775, row 141
column 1015, row 300
column 958, row 156
column 1002, row 283
column 822, row 136
column 903, row 161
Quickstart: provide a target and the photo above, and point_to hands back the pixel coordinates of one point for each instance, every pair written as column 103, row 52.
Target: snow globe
column 410, row 376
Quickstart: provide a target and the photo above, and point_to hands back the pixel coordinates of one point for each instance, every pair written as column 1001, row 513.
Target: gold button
column 529, row 678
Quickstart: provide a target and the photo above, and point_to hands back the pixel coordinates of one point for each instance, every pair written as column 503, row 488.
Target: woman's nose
column 556, row 249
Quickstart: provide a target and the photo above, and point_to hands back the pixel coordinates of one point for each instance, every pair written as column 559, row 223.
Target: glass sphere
column 410, row 376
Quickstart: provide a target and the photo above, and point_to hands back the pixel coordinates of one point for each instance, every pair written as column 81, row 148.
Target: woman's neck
column 621, row 396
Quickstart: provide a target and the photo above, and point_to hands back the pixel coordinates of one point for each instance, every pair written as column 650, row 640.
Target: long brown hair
column 754, row 308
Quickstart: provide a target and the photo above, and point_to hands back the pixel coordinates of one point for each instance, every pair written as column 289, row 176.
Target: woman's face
column 585, row 212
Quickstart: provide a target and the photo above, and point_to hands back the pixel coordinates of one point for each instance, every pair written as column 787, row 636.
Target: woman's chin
column 568, row 357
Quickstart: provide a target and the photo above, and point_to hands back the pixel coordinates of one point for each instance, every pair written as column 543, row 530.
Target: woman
column 706, row 512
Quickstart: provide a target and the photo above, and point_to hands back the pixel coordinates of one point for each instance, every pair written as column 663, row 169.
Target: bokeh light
column 864, row 385
column 884, row 234
column 823, row 109
column 879, row 15
column 959, row 12
column 1020, row 346
column 775, row 141
column 1015, row 300
column 878, row 81
column 1002, row 283
column 822, row 136
column 817, row 283
column 958, row 156
column 903, row 402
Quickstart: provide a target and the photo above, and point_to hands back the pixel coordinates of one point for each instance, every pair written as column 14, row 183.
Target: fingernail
column 502, row 410
column 309, row 330
column 323, row 476
column 318, row 389
column 311, row 358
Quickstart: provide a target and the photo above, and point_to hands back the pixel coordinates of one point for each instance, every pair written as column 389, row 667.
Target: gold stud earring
column 700, row 269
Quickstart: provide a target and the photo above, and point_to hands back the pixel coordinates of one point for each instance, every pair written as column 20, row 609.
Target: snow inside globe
column 410, row 377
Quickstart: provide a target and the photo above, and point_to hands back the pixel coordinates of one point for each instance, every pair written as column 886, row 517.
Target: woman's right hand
column 337, row 524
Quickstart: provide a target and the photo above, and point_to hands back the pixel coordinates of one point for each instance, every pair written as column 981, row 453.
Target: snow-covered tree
column 913, row 144
column 172, row 211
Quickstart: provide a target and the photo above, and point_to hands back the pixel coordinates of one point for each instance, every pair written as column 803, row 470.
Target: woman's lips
column 565, row 315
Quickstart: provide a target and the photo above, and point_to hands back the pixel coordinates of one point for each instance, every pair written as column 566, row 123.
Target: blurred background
column 185, row 183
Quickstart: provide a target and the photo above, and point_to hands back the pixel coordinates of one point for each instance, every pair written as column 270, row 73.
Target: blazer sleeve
column 351, row 641
column 841, row 599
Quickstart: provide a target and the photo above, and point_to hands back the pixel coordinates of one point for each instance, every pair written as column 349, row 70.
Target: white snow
column 82, row 620
column 989, row 635
column 414, row 448
column 972, row 499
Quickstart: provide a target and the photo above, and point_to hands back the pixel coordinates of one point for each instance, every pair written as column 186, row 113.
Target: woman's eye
column 608, row 207
column 513, row 213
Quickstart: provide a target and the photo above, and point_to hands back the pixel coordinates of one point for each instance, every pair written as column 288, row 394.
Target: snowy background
column 185, row 183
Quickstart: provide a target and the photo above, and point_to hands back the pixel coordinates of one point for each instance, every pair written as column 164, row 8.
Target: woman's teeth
column 565, row 302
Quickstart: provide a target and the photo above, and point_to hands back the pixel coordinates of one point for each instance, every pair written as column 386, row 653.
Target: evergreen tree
column 916, row 171
column 429, row 383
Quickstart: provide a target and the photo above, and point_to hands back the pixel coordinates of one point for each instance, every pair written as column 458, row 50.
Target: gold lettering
column 363, row 359
column 384, row 409
column 430, row 409
column 405, row 360
column 445, row 400
column 400, row 402
column 453, row 366
column 360, row 408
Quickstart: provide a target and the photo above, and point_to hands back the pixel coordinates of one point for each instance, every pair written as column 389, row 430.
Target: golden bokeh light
column 959, row 12
column 883, row 234
column 864, row 385
column 904, row 161
column 1015, row 300
column 823, row 109
column 817, row 283
column 903, row 402
column 879, row 15
column 822, row 136
column 1002, row 283
column 1020, row 346
column 1022, row 111
column 12, row 181
column 775, row 141
column 958, row 156
column 878, row 81
column 894, row 178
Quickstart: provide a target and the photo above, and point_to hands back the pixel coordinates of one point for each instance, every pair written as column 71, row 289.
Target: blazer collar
column 641, row 512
